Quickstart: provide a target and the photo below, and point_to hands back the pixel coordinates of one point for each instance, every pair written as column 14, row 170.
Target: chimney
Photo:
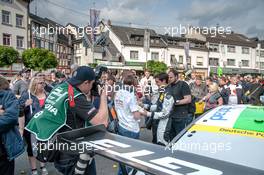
column 109, row 23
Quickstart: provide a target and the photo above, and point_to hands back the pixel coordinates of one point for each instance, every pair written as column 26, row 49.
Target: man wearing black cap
column 78, row 114
column 82, row 80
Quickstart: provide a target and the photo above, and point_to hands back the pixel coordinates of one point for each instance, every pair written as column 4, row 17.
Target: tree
column 8, row 56
column 156, row 67
column 92, row 65
column 39, row 59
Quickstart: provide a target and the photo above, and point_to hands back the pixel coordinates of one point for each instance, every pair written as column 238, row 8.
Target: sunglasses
column 42, row 83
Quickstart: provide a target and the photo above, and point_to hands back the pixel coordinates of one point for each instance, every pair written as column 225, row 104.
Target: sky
column 243, row 16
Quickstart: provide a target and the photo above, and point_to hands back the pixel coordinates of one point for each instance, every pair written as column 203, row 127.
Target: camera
column 98, row 73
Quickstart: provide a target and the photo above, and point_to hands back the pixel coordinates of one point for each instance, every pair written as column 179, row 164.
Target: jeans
column 6, row 167
column 123, row 132
column 178, row 124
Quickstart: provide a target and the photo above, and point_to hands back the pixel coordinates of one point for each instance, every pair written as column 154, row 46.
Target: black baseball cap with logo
column 81, row 74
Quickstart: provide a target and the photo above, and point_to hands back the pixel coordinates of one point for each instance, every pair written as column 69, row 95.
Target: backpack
column 113, row 120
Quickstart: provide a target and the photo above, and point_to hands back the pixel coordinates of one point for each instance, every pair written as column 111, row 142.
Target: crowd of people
column 167, row 102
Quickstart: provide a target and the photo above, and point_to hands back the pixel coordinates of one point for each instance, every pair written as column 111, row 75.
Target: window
column 35, row 29
column 173, row 59
column 214, row 47
column 155, row 56
column 42, row 44
column 199, row 61
column 133, row 55
column 261, row 53
column 137, row 38
column 231, row 49
column 152, row 41
column 189, row 60
column 5, row 17
column 213, row 61
column 231, row 62
column 77, row 46
column 180, row 59
column 51, row 46
column 19, row 20
column 37, row 43
column 261, row 65
column 78, row 60
column 7, row 39
column 157, row 41
column 245, row 50
column 20, row 41
column 65, row 62
column 245, row 63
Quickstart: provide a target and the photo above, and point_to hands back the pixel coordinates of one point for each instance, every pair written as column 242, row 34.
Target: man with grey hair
column 73, row 68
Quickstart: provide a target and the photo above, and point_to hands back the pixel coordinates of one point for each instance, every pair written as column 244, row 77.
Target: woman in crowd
column 31, row 102
column 213, row 98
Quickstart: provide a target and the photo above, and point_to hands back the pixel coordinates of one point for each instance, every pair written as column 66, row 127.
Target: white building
column 84, row 52
column 234, row 52
column 129, row 43
column 13, row 29
column 176, row 56
column 260, row 56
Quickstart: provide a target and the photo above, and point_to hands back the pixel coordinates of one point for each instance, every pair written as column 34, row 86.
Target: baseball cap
column 81, row 74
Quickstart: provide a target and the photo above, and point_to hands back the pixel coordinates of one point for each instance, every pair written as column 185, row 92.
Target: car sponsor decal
column 251, row 118
column 237, row 117
column 224, row 130
column 224, row 116
column 167, row 165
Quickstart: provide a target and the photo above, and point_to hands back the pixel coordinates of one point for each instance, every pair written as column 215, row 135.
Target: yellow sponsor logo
column 232, row 131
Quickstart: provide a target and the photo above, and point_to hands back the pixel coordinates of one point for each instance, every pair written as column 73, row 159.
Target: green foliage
column 39, row 59
column 92, row 65
column 156, row 67
column 8, row 56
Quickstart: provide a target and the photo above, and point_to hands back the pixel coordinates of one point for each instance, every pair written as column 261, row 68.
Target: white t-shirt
column 233, row 96
column 125, row 104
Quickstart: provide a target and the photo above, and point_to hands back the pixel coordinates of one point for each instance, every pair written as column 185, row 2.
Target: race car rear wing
column 148, row 157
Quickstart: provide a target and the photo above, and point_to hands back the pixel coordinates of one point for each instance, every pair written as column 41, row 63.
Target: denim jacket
column 10, row 138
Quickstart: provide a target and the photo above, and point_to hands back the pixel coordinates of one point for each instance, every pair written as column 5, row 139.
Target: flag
column 186, row 49
column 94, row 21
column 146, row 40
column 219, row 71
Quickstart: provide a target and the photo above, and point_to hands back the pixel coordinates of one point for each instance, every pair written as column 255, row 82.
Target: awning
column 125, row 67
column 237, row 70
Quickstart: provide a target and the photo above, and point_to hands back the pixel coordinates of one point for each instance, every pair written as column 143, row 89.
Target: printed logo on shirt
column 92, row 111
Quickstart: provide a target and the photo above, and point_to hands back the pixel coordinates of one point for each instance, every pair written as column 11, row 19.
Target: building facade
column 13, row 30
column 129, row 42
column 47, row 34
column 235, row 53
